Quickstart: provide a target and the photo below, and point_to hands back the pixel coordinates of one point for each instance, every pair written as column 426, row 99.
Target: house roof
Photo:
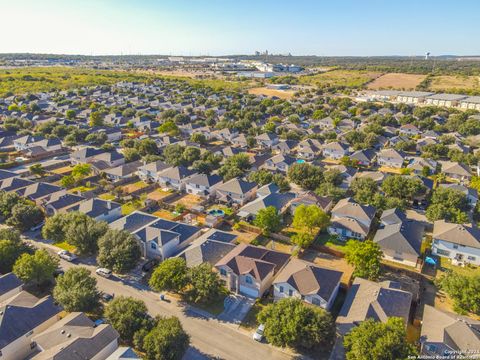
column 349, row 208
column 462, row 234
column 23, row 313
column 75, row 337
column 277, row 200
column 309, row 279
column 206, row 251
column 456, row 168
column 310, row 197
column 39, row 190
column 14, row 183
column 392, row 154
column 95, row 207
column 155, row 166
column 133, row 222
column 460, row 333
column 368, row 299
column 205, row 180
column 123, row 353
column 403, row 237
column 256, row 261
column 392, row 216
column 125, row 169
column 237, row 186
column 9, row 282
column 268, row 189
column 64, row 201
column 176, row 173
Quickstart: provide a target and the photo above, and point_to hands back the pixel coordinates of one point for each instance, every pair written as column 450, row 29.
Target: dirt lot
column 158, row 195
column 130, row 188
column 330, row 262
column 282, row 94
column 444, row 83
column 396, row 81
column 188, row 200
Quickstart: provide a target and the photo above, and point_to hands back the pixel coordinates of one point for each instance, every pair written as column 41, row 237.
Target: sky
column 225, row 27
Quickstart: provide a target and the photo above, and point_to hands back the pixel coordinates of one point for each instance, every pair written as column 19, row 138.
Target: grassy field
column 455, row 83
column 396, row 81
column 282, row 94
column 347, row 78
column 30, row 80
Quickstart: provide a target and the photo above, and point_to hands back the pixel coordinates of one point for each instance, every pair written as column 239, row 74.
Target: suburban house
column 285, row 147
column 409, row 130
column 470, row 193
column 202, row 184
column 62, row 203
column 280, row 201
column 279, row 163
column 401, row 242
column 100, row 159
column 99, row 209
column 14, row 184
column 309, row 149
column 175, row 177
column 210, row 248
column 391, row 158
column 41, row 192
column 123, row 172
column 446, row 100
column 124, row 353
column 456, row 170
column 267, row 140
column 250, row 270
column 448, row 333
column 23, row 316
column 76, row 336
column 149, row 172
column 307, row 281
column 310, row 198
column 10, row 285
column 458, row 242
column 418, row 164
column 236, row 191
column 335, row 150
column 471, row 102
column 159, row 238
column 351, row 220
column 370, row 300
column 365, row 157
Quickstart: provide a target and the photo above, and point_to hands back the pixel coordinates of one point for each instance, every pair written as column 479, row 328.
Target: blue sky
column 219, row 27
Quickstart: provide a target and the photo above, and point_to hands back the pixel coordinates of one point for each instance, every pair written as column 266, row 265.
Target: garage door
column 248, row 291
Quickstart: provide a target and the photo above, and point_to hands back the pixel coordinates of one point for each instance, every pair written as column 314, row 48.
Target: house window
column 280, row 289
column 223, row 272
column 443, row 252
column 248, row 280
column 455, row 246
column 471, row 258
column 290, row 292
column 153, row 246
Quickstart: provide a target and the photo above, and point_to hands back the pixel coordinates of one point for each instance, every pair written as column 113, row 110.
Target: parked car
column 106, row 273
column 149, row 265
column 67, row 255
column 258, row 335
column 107, row 297
column 58, row 272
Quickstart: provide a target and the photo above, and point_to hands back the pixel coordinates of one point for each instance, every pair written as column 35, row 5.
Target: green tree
column 204, row 284
column 70, row 114
column 10, row 251
column 166, row 341
column 96, row 119
column 303, row 240
column 24, row 216
column 289, row 322
column 309, row 177
column 170, row 275
column 118, row 250
column 310, row 218
column 198, row 138
column 127, row 315
column 7, row 201
column 373, row 340
column 448, row 204
column 37, row 268
column 131, row 154
column 464, row 290
column 169, row 127
column 268, row 219
column 365, row 256
column 76, row 290
column 364, row 190
column 402, row 187
column 68, row 181
column 235, row 166
column 173, row 154
column 37, row 169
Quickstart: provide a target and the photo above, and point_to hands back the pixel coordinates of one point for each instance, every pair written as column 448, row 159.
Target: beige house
column 250, row 270
column 307, row 281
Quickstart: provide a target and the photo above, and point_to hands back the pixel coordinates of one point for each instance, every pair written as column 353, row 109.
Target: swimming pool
column 216, row 212
column 300, row 161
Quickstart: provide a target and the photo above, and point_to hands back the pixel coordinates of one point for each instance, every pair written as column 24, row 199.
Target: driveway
column 236, row 308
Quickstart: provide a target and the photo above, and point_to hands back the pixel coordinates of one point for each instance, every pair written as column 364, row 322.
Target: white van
column 106, row 273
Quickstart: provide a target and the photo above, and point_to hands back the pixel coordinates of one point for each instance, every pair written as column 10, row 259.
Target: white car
column 66, row 255
column 106, row 273
column 258, row 334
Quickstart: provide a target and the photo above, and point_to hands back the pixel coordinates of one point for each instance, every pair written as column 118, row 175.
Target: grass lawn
column 213, row 307
column 82, row 189
column 250, row 320
column 106, row 196
column 131, row 206
column 348, row 78
column 330, row 241
column 65, row 246
column 165, row 214
column 446, row 266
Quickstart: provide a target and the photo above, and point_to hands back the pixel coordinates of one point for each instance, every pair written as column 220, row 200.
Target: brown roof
column 309, row 279
column 256, row 261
